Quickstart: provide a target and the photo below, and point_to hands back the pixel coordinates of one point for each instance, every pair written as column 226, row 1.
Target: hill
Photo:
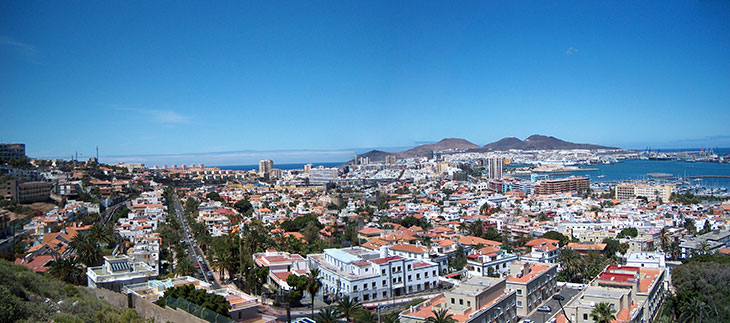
column 444, row 144
column 376, row 155
column 26, row 296
column 538, row 142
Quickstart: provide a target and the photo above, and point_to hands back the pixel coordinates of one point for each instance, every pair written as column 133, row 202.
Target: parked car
column 544, row 308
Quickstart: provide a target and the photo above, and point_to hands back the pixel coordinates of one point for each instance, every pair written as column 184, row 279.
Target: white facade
column 364, row 275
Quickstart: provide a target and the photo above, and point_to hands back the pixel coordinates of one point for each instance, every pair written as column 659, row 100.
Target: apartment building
column 650, row 192
column 489, row 261
column 322, row 175
column 366, row 275
column 634, row 293
column 710, row 242
column 281, row 265
column 533, row 283
column 479, row 299
column 12, row 151
column 561, row 185
column 117, row 272
column 493, row 166
column 542, row 250
column 265, row 166
column 28, row 192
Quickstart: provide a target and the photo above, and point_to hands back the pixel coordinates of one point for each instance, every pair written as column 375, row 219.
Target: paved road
column 194, row 252
column 566, row 292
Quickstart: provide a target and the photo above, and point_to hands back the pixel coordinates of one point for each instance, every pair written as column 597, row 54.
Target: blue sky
column 328, row 78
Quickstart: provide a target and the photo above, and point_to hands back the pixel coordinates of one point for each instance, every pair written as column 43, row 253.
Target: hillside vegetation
column 26, row 296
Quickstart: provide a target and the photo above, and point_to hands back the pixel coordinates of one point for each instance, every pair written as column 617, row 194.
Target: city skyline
column 294, row 79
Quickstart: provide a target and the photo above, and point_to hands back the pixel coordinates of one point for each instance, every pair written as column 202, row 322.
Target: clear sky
column 323, row 78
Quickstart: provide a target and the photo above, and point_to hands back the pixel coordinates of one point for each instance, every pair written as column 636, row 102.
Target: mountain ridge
column 533, row 142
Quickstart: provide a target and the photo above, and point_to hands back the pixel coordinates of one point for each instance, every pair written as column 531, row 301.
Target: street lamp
column 559, row 298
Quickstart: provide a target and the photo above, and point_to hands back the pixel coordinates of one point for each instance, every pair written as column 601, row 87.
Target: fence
column 197, row 310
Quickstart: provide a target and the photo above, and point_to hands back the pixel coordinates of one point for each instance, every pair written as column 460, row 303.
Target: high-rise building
column 390, row 159
column 265, row 166
column 650, row 192
column 561, row 185
column 494, row 167
column 307, row 168
column 12, row 151
column 322, row 176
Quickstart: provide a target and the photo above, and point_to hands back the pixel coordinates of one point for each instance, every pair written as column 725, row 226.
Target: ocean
column 638, row 169
column 280, row 166
column 625, row 170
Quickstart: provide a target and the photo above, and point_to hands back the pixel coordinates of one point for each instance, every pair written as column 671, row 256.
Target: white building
column 365, row 275
column 117, row 272
column 543, row 250
column 479, row 262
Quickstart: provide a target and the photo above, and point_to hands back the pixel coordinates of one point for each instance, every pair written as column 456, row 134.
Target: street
column 566, row 292
column 194, row 253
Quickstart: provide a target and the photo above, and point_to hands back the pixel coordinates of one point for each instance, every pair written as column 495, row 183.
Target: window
column 374, row 285
column 354, row 287
column 519, row 292
column 585, row 316
column 385, row 294
column 418, row 276
column 519, row 304
column 409, row 278
column 383, row 271
column 461, row 301
column 385, row 282
column 452, row 301
column 409, row 267
column 434, row 273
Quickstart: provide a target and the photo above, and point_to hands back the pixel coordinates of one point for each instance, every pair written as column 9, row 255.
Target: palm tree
column 87, row 249
column 348, row 306
column 442, row 316
column 390, row 318
column 693, row 311
column 102, row 233
column 365, row 317
column 67, row 269
column 328, row 315
column 704, row 247
column 572, row 263
column 603, row 313
column 313, row 285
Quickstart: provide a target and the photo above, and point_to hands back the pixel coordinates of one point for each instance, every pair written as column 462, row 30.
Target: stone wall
column 145, row 308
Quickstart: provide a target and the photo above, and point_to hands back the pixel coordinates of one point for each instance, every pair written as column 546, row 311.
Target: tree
column 628, row 232
column 554, row 235
column 441, row 316
column 184, row 267
column 243, row 207
column 603, row 313
column 693, row 311
column 87, row 249
column 328, row 315
column 67, row 269
column 311, row 232
column 214, row 196
column 365, row 317
column 390, row 318
column 459, row 260
column 313, row 285
column 573, row 265
column 348, row 307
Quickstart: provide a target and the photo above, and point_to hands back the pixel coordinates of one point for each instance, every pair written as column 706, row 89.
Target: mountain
column 539, row 142
column 534, row 142
column 376, row 155
column 445, row 144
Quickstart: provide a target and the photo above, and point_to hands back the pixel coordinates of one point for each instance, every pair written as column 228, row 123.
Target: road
column 194, row 253
column 566, row 292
